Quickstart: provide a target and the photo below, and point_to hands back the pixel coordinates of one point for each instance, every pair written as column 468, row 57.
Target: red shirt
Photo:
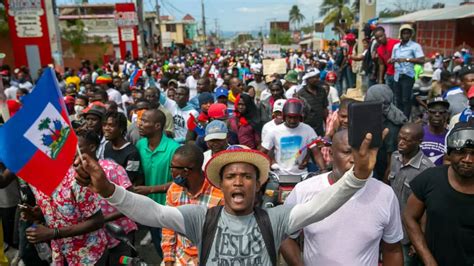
column 384, row 52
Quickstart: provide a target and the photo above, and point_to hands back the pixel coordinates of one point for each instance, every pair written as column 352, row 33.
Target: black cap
column 438, row 100
column 96, row 110
column 466, row 70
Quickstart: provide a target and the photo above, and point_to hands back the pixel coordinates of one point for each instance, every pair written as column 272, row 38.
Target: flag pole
column 80, row 154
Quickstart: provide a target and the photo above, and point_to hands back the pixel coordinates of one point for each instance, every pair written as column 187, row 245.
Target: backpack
column 210, row 226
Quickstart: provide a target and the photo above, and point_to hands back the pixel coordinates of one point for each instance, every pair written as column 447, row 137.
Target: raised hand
column 366, row 157
column 90, row 174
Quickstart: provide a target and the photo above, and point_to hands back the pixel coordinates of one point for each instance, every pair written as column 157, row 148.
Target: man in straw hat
column 238, row 232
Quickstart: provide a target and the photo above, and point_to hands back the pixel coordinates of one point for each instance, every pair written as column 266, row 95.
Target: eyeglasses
column 434, row 112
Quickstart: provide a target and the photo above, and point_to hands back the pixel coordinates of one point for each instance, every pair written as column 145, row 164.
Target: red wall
column 465, row 33
column 436, row 36
column 19, row 50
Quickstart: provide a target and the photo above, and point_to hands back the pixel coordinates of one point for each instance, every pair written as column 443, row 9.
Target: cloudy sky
column 246, row 15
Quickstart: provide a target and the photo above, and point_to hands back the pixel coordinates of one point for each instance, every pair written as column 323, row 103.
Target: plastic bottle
column 43, row 249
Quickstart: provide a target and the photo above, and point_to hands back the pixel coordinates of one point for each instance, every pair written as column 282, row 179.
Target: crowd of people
column 181, row 144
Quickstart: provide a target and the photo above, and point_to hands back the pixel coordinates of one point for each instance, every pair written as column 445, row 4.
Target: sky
column 248, row 15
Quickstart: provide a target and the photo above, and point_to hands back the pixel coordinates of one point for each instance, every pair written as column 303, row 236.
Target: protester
column 277, row 116
column 119, row 149
column 266, row 106
column 216, row 139
column 291, row 142
column 88, row 143
column 245, row 122
column 182, row 114
column 433, row 144
column 444, row 195
column 406, row 163
column 315, row 101
column 156, row 150
column 405, row 55
column 189, row 187
column 152, row 95
column 358, row 242
column 239, row 173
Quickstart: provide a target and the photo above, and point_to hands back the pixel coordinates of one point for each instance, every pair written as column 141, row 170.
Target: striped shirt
column 176, row 247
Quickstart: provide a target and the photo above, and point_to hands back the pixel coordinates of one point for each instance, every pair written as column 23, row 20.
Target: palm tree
column 335, row 10
column 295, row 16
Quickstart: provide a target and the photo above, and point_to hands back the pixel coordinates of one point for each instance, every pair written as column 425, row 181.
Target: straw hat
column 354, row 94
column 239, row 154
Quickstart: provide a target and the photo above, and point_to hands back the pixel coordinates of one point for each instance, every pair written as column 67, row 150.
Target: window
column 171, row 27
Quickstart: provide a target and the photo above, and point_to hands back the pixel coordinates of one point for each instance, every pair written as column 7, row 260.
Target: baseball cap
column 216, row 130
column 466, row 70
column 438, row 100
column 217, row 111
column 278, row 105
column 221, row 91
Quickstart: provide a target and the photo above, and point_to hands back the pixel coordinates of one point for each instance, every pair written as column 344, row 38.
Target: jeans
column 8, row 219
column 404, row 94
column 156, row 237
column 390, row 82
column 348, row 76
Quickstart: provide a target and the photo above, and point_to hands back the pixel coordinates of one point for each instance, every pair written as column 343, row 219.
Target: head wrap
column 383, row 93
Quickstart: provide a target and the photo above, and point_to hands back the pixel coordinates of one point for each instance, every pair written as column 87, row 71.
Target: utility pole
column 203, row 22
column 367, row 11
column 160, row 40
column 141, row 30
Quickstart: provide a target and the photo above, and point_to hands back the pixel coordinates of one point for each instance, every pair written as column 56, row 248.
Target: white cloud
column 249, row 10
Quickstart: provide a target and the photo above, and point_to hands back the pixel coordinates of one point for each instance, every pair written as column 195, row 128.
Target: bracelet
column 56, row 233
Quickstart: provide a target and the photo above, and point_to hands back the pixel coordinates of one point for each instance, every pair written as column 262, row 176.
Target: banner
column 271, row 51
column 272, row 66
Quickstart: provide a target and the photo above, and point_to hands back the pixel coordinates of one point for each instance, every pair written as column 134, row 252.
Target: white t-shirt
column 333, row 97
column 292, row 91
column 10, row 92
column 352, row 234
column 114, row 95
column 268, row 127
column 180, row 119
column 207, row 157
column 191, row 83
column 287, row 143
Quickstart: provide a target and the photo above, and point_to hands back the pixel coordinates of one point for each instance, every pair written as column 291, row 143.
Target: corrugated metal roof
column 446, row 13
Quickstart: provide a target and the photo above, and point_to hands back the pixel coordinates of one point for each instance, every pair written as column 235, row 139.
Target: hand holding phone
column 365, row 117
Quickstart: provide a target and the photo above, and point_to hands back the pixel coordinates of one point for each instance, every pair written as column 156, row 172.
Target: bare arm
column 392, row 254
column 411, row 217
column 291, row 252
column 381, row 75
column 42, row 233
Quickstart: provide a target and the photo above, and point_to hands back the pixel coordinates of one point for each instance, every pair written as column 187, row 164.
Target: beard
column 465, row 174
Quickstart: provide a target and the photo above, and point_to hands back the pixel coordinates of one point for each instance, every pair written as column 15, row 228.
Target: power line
column 173, row 7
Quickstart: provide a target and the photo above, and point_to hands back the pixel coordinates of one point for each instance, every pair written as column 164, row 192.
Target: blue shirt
column 410, row 49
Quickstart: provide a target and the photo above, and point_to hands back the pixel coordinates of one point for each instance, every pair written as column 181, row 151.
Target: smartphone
column 365, row 117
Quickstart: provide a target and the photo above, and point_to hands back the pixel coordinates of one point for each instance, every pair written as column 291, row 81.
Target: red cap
column 350, row 37
column 470, row 92
column 217, row 111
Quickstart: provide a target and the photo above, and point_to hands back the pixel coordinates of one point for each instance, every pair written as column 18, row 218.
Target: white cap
column 313, row 72
column 278, row 105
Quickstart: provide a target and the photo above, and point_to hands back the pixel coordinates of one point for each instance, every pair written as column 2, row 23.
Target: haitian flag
column 38, row 143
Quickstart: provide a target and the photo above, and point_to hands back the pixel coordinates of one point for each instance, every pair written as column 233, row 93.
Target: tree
column 387, row 13
column 337, row 11
column 295, row 16
column 75, row 34
column 280, row 37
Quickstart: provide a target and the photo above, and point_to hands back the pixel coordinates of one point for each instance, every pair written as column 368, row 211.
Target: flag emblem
column 49, row 132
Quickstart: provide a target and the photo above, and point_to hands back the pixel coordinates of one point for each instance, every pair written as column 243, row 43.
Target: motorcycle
column 118, row 233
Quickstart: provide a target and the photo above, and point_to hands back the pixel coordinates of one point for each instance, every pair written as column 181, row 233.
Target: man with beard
column 407, row 162
column 445, row 194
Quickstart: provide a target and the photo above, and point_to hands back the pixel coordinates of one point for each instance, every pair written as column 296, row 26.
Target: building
column 280, row 25
column 443, row 30
column 98, row 21
column 178, row 32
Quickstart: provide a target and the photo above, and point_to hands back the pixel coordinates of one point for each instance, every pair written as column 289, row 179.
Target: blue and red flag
column 38, row 143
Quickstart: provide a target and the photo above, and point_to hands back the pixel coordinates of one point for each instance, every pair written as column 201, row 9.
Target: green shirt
column 156, row 164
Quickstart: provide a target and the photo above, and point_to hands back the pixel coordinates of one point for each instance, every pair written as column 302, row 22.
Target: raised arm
column 329, row 200
column 136, row 207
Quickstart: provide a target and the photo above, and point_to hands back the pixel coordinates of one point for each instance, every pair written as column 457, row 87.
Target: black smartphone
column 365, row 117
